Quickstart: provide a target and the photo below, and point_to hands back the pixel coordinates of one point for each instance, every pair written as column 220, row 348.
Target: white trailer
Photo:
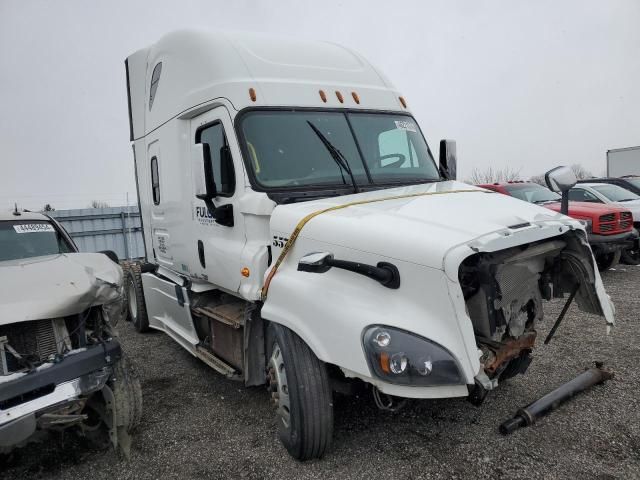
column 299, row 233
column 623, row 161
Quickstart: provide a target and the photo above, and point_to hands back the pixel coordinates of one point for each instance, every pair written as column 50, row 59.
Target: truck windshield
column 532, row 193
column 30, row 238
column 284, row 151
column 616, row 193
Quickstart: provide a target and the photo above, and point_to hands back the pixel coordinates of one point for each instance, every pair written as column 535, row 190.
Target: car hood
column 585, row 209
column 419, row 225
column 56, row 286
column 633, row 206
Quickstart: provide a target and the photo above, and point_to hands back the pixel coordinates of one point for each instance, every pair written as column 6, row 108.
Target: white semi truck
column 300, row 234
column 622, row 162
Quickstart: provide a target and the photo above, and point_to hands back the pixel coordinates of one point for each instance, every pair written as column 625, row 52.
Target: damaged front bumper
column 505, row 276
column 25, row 396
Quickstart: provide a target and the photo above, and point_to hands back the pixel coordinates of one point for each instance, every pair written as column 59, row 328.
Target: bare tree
column 494, row 175
column 581, row 172
column 539, row 179
column 98, row 204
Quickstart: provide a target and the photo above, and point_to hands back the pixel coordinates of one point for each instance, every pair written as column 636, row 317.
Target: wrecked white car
column 60, row 364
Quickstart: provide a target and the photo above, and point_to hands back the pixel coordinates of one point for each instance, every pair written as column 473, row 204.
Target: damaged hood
column 56, row 285
column 419, row 229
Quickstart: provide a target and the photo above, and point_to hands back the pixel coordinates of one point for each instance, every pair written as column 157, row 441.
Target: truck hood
column 418, row 229
column 56, row 286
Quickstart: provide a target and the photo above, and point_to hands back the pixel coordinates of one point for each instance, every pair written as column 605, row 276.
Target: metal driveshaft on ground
column 528, row 415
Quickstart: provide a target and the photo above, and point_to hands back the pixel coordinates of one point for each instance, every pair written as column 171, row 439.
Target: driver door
column 217, row 248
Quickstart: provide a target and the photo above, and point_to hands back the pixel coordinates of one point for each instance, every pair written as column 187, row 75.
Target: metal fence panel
column 114, row 228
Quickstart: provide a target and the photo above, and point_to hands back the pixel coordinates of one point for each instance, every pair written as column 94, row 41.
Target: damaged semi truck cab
column 300, row 234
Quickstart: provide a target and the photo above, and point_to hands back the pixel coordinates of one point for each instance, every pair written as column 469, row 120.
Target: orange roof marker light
column 403, row 102
column 356, row 98
column 340, row 97
column 323, row 96
column 252, row 94
column 245, row 272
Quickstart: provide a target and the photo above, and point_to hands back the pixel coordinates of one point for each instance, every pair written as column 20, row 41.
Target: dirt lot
column 199, row 425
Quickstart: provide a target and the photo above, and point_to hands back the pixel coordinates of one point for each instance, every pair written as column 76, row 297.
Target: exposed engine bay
column 504, row 293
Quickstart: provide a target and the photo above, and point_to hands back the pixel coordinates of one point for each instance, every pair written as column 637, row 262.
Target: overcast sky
column 529, row 84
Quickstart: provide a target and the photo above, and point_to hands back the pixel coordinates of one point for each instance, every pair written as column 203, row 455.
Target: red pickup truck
column 610, row 229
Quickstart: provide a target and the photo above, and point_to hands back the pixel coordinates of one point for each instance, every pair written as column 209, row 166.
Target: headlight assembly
column 403, row 358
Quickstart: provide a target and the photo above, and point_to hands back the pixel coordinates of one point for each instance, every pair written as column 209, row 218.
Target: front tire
column 135, row 299
column 301, row 391
column 607, row 260
column 631, row 256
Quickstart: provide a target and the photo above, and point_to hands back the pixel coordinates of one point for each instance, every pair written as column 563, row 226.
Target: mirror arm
column 384, row 273
column 564, row 203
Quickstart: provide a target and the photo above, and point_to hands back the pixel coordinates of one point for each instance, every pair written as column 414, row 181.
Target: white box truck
column 299, row 233
column 622, row 162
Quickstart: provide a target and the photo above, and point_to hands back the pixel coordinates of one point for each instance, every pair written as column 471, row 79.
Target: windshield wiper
column 336, row 154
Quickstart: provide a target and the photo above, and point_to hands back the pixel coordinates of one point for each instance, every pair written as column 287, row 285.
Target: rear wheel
column 301, row 392
column 135, row 299
column 607, row 260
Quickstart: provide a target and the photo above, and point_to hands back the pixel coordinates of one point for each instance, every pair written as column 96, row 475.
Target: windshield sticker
column 33, row 228
column 405, row 125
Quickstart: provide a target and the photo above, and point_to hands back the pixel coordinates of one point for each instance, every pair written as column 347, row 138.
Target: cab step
column 216, row 363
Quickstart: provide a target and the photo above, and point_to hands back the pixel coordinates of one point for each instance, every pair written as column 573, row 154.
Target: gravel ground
column 199, row 425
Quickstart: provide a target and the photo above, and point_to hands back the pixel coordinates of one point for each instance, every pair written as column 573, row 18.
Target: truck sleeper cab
column 299, row 233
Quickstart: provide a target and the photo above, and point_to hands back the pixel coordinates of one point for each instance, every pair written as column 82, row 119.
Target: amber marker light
column 252, row 95
column 384, row 362
column 245, row 272
column 403, row 101
column 323, row 96
column 340, row 97
column 356, row 98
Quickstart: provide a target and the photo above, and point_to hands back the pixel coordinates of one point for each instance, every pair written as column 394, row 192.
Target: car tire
column 137, row 308
column 301, row 392
column 607, row 260
column 127, row 394
column 631, row 256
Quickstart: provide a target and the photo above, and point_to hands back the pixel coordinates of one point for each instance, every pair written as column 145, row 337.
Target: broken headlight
column 403, row 358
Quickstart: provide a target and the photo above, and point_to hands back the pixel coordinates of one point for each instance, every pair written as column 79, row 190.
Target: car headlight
column 403, row 358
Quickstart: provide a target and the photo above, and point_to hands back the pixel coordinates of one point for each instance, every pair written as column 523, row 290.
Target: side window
column 155, row 79
column 155, row 181
column 223, row 173
column 580, row 195
column 396, row 149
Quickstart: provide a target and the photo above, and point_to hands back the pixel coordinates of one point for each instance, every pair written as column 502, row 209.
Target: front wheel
column 631, row 256
column 301, row 392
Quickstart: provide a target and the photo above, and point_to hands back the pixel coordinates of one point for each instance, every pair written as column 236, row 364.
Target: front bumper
column 77, row 374
column 613, row 243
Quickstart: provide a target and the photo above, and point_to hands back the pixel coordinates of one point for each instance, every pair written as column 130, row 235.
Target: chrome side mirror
column 448, row 160
column 317, row 262
column 560, row 179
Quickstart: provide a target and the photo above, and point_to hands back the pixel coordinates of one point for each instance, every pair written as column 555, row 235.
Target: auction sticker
column 33, row 228
column 405, row 125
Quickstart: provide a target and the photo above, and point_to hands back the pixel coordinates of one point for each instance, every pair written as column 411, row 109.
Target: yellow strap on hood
column 294, row 235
